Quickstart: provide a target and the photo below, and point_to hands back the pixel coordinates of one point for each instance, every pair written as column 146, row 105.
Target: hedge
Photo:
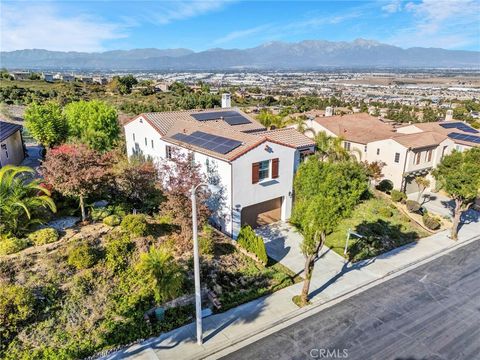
column 252, row 243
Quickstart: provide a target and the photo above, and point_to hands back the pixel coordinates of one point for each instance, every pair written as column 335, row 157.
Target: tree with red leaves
column 77, row 171
column 179, row 174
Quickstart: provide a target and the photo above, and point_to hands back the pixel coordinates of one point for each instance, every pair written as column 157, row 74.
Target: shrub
column 136, row 225
column 112, row 220
column 205, row 241
column 385, row 212
column 44, row 236
column 253, row 243
column 413, row 206
column 398, row 196
column 11, row 245
column 385, row 186
column 101, row 213
column 118, row 250
column 16, row 306
column 431, row 222
column 81, row 256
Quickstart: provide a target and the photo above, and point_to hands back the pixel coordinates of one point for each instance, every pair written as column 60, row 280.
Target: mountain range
column 307, row 54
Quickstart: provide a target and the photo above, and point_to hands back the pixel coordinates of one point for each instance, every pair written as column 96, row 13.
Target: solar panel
column 230, row 117
column 459, row 126
column 236, row 120
column 464, row 137
column 211, row 142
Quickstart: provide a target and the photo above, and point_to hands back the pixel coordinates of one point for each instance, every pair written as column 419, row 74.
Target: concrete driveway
column 283, row 241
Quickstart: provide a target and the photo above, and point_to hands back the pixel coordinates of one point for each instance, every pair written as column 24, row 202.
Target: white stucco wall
column 14, row 147
column 392, row 171
column 235, row 177
column 245, row 193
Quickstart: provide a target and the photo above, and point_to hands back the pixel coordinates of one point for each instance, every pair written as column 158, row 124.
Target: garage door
column 262, row 213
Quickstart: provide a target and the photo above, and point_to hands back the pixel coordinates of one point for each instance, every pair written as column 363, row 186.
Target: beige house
column 11, row 144
column 406, row 155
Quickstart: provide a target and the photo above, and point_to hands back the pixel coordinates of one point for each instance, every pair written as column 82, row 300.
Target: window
column 168, row 151
column 261, row 170
column 397, row 157
column 145, row 141
column 378, row 151
column 365, row 148
column 346, row 145
column 429, row 155
column 444, row 150
column 264, row 170
column 152, row 144
column 418, row 156
column 133, row 136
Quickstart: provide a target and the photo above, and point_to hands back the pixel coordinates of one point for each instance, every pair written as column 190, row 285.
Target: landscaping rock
column 63, row 223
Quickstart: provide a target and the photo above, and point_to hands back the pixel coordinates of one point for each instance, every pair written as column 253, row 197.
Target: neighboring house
column 462, row 134
column 11, row 144
column 20, row 75
column 406, row 155
column 48, row 77
column 253, row 167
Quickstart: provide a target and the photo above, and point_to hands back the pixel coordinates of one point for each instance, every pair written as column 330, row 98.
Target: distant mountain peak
column 306, row 54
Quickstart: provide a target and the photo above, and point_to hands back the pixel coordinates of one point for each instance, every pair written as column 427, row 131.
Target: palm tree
column 331, row 148
column 301, row 125
column 20, row 197
column 270, row 120
column 160, row 268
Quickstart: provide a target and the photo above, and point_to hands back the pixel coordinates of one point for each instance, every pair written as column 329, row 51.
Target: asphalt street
column 431, row 312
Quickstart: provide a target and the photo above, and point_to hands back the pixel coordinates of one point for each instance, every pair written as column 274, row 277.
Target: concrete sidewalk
column 337, row 278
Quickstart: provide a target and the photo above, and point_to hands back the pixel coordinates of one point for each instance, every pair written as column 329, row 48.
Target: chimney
column 449, row 115
column 226, row 101
column 329, row 111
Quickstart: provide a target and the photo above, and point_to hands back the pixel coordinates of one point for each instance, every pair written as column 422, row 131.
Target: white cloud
column 276, row 31
column 393, row 6
column 441, row 23
column 170, row 11
column 26, row 26
column 234, row 35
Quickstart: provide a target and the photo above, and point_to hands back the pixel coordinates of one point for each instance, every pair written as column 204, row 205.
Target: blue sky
column 199, row 25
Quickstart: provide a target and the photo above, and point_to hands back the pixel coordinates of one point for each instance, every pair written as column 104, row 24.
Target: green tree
column 331, row 148
column 459, row 175
column 270, row 120
column 301, row 125
column 326, row 193
column 161, row 270
column 422, row 183
column 20, row 198
column 94, row 123
column 46, row 123
column 123, row 84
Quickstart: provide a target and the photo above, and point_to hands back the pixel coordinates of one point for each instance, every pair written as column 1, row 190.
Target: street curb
column 314, row 308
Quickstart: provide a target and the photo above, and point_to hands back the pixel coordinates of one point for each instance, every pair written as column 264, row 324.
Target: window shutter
column 275, row 168
column 255, row 172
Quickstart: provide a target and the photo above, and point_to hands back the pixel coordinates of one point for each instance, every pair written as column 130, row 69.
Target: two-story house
column 253, row 167
column 406, row 154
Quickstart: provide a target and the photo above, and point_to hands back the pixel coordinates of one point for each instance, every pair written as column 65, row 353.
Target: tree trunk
column 456, row 219
column 82, row 208
column 309, row 263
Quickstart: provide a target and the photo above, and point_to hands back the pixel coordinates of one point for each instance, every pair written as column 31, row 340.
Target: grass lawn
column 384, row 226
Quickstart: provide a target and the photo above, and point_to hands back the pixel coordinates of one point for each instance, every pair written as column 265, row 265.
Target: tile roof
column 360, row 127
column 363, row 128
column 251, row 135
column 437, row 128
column 288, row 136
column 419, row 140
column 7, row 129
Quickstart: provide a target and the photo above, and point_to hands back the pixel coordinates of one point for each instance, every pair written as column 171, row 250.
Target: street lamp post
column 196, row 264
